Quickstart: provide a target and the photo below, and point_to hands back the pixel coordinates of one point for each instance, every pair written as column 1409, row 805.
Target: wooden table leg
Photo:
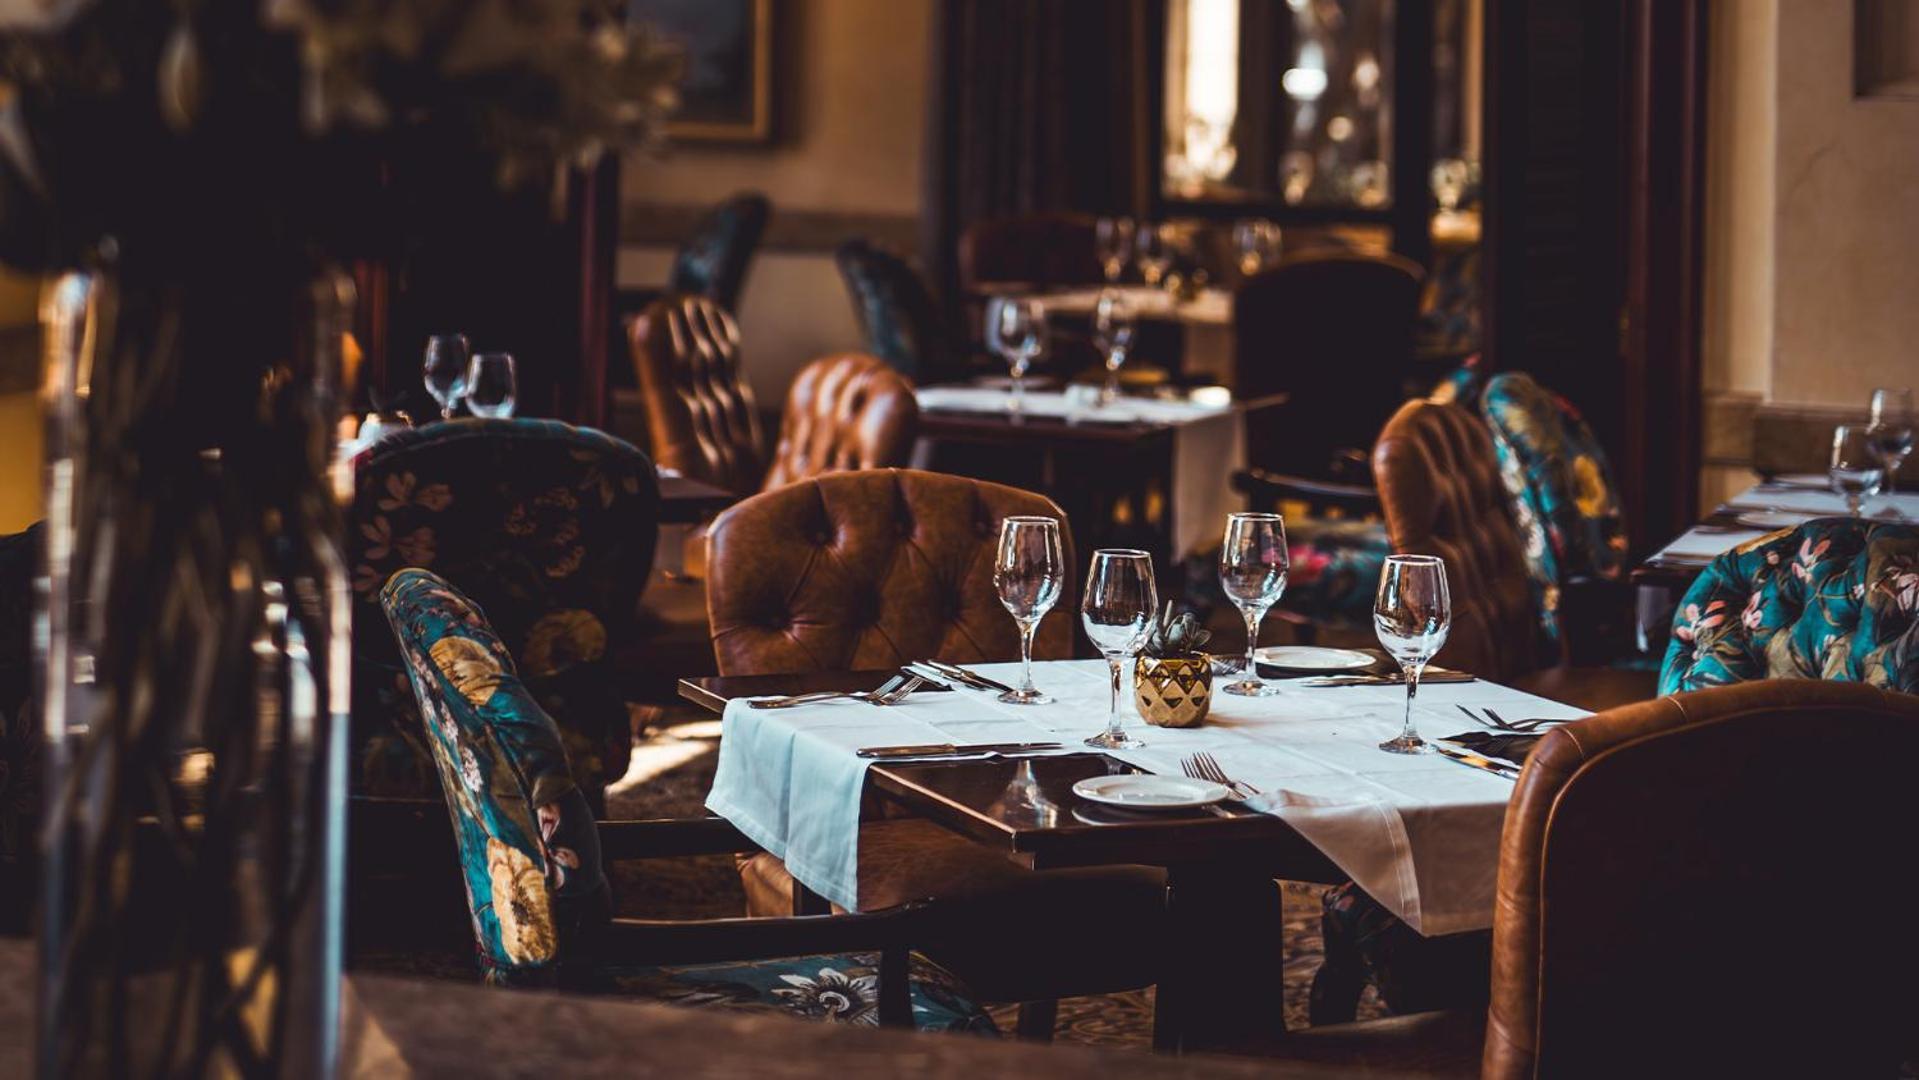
column 1224, row 982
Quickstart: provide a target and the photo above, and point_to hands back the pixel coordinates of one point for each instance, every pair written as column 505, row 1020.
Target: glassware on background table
column 1258, row 242
column 1117, row 611
column 1856, row 471
column 448, row 357
column 1891, row 430
column 1114, row 322
column 1412, row 614
column 1113, row 240
column 1153, row 253
column 492, row 387
column 1252, row 570
column 1016, row 330
column 1449, row 179
column 1028, row 571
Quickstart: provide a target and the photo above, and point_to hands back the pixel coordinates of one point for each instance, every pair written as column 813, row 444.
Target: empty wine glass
column 1113, row 240
column 1258, row 243
column 447, row 359
column 1252, row 571
column 1028, row 572
column 1113, row 328
column 1856, row 470
column 1449, row 177
column 1153, row 253
column 1412, row 614
column 1016, row 330
column 1117, row 611
column 1891, row 430
column 492, row 386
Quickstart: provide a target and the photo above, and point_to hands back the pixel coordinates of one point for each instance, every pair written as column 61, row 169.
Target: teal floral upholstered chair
column 530, row 853
column 552, row 528
column 1835, row 598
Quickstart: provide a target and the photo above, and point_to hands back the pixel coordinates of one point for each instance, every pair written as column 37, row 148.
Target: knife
column 971, row 678
column 953, row 749
column 1429, row 678
column 1477, row 762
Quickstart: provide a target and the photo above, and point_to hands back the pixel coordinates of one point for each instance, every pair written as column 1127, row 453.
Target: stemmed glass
column 1856, row 470
column 446, row 369
column 492, row 385
column 1113, row 325
column 1891, row 429
column 1113, row 241
column 1412, row 614
column 1153, row 253
column 1117, row 611
column 1258, row 243
column 1016, row 330
column 1252, row 570
column 1028, row 572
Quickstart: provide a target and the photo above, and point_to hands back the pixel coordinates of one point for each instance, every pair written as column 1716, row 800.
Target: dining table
column 1205, row 320
column 1419, row 832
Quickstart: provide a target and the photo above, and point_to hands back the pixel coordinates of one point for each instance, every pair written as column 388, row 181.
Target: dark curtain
column 1036, row 106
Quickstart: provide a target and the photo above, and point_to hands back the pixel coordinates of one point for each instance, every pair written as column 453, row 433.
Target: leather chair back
column 869, row 570
column 701, row 420
column 843, row 413
column 1655, row 862
column 714, row 260
column 898, row 316
column 1441, row 494
column 1036, row 250
column 1334, row 332
column 1836, row 598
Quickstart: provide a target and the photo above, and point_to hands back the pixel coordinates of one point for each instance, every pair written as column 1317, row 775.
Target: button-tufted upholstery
column 867, row 570
column 1836, row 598
column 714, row 259
column 700, row 417
column 1441, row 493
column 844, row 413
column 898, row 316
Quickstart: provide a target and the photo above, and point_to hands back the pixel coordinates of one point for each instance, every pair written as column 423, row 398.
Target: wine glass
column 1449, row 178
column 1252, row 570
column 1856, row 470
column 445, row 369
column 1028, row 572
column 1891, row 429
column 1258, row 243
column 1153, row 253
column 1016, row 330
column 1113, row 240
column 1113, row 326
column 1117, row 611
column 492, row 385
column 1412, row 614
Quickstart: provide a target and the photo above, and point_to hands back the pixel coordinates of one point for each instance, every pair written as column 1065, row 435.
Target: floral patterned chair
column 1835, row 598
column 552, row 527
column 530, row 851
column 19, row 736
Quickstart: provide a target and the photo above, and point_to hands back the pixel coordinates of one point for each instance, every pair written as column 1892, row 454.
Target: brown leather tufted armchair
column 868, row 570
column 700, row 415
column 1439, row 488
column 844, row 412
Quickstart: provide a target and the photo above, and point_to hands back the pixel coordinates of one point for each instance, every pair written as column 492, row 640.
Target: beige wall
column 850, row 104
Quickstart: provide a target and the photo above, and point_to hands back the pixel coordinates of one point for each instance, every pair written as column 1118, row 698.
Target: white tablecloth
column 1419, row 833
column 1701, row 544
column 1209, row 445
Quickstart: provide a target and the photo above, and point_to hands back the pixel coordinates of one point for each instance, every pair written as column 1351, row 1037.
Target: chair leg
column 1037, row 1020
column 896, row 990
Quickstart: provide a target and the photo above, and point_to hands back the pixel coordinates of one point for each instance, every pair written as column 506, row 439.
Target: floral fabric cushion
column 551, row 529
column 837, row 989
column 1563, row 493
column 1836, row 598
column 1335, row 568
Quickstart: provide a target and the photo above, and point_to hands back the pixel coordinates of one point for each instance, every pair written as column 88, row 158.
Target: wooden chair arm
column 663, row 838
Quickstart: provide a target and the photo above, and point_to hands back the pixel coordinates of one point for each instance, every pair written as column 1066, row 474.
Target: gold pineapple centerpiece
column 1173, row 679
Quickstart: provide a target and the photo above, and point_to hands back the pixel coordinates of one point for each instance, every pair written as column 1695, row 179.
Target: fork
column 1207, row 767
column 1520, row 727
column 890, row 692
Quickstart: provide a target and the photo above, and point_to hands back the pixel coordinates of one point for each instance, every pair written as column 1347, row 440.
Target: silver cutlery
column 1518, row 727
column 1475, row 761
column 891, row 692
column 1427, row 679
column 1204, row 766
column 971, row 678
column 934, row 750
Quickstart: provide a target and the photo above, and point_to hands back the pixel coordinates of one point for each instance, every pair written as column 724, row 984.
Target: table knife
column 972, row 678
column 954, row 749
column 1427, row 679
column 1510, row 772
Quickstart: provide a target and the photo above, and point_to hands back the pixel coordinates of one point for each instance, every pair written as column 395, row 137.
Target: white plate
column 1773, row 519
column 1145, row 792
column 1314, row 658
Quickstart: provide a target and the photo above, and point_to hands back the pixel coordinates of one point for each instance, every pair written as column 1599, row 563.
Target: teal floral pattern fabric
column 1334, row 570
column 529, row 847
column 1564, row 496
column 1836, row 598
column 550, row 528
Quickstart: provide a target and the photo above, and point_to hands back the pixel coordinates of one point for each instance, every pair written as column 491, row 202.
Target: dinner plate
column 1146, row 792
column 1314, row 658
column 1773, row 519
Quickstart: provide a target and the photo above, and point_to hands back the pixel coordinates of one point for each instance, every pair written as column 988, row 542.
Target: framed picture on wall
column 727, row 92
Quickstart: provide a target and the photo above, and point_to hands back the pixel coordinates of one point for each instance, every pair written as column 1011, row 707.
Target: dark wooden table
column 685, row 501
column 1221, row 988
